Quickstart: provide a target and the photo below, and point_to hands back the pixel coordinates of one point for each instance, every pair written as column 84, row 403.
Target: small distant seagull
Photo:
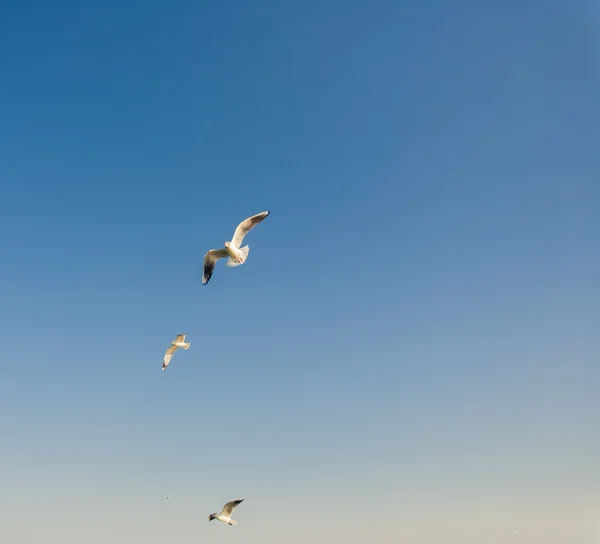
column 169, row 496
column 225, row 514
column 515, row 530
column 179, row 342
column 237, row 255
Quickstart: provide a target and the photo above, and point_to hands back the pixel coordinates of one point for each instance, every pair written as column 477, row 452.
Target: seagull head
column 212, row 516
column 227, row 244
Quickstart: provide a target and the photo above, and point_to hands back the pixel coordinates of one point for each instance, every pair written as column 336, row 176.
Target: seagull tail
column 233, row 522
column 244, row 251
column 187, row 345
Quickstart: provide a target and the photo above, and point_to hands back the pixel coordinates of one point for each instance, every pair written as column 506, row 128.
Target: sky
column 410, row 353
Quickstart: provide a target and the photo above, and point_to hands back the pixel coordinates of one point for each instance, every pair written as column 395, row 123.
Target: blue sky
column 410, row 352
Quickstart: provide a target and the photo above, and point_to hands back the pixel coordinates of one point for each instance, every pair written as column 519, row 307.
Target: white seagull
column 225, row 514
column 237, row 255
column 168, row 497
column 179, row 342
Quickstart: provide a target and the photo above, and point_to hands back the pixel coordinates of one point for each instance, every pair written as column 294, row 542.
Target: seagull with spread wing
column 237, row 255
column 225, row 515
column 179, row 342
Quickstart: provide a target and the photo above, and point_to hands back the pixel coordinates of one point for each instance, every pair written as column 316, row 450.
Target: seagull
column 226, row 512
column 179, row 342
column 169, row 496
column 237, row 255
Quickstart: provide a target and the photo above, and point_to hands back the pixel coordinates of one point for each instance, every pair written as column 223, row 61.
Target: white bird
column 179, row 342
column 169, row 496
column 237, row 255
column 225, row 515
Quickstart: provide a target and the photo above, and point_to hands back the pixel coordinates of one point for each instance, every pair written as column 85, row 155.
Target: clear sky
column 410, row 353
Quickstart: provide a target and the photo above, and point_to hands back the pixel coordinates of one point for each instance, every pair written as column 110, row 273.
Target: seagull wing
column 229, row 507
column 169, row 355
column 210, row 260
column 245, row 226
column 180, row 338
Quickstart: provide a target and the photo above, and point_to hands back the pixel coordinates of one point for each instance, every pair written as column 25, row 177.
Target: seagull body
column 179, row 342
column 237, row 255
column 225, row 515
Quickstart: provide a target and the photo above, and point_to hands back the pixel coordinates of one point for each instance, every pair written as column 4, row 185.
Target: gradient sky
column 410, row 353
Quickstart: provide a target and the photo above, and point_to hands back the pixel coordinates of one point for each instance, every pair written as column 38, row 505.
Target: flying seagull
column 237, row 255
column 225, row 514
column 169, row 496
column 179, row 342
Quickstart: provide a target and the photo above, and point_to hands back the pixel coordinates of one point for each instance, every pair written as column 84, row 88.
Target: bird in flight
column 237, row 255
column 179, row 342
column 225, row 515
column 168, row 497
